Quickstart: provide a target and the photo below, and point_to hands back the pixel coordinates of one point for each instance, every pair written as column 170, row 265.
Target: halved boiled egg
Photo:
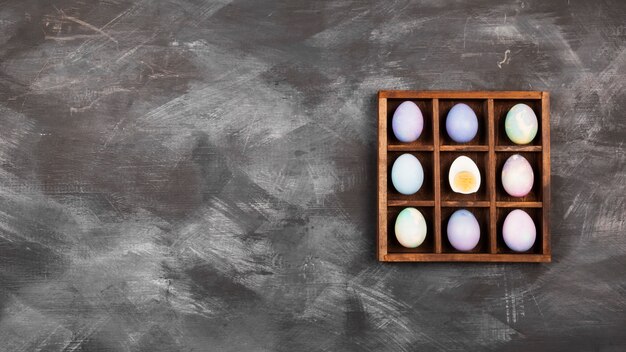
column 464, row 176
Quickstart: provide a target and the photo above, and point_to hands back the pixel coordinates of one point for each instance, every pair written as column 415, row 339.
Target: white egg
column 464, row 176
column 410, row 228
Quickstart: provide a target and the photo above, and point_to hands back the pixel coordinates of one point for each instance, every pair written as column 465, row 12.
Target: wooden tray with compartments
column 436, row 151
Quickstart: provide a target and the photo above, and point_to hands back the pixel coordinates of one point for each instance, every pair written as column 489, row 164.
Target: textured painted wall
column 200, row 176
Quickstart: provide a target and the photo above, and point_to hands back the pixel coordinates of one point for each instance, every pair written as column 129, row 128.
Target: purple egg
column 461, row 123
column 519, row 231
column 407, row 122
column 463, row 230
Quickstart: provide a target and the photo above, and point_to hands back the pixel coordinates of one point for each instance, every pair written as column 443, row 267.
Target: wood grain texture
column 437, row 173
column 451, row 94
column 382, row 178
column 489, row 150
column 462, row 257
column 545, row 180
column 493, row 221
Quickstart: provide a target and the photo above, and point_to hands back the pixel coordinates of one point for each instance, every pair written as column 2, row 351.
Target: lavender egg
column 461, row 123
column 407, row 122
column 519, row 231
column 463, row 230
column 517, row 176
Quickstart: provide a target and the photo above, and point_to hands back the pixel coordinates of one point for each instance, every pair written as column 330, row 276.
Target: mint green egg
column 410, row 228
column 521, row 124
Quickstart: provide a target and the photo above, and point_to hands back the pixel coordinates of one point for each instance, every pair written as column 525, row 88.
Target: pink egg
column 519, row 231
column 517, row 176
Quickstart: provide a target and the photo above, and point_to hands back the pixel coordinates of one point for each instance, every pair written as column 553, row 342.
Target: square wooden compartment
column 481, row 159
column 481, row 214
column 436, row 151
column 480, row 108
column 535, row 161
column 426, row 192
column 535, row 214
column 429, row 243
column 425, row 142
column 500, row 108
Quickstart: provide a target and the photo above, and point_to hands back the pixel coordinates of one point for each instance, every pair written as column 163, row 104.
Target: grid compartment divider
column 436, row 176
column 492, row 179
column 545, row 168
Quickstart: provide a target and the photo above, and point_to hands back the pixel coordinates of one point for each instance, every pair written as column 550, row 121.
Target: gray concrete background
column 200, row 176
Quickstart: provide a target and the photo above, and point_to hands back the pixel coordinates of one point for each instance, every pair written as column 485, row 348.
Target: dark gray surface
column 200, row 176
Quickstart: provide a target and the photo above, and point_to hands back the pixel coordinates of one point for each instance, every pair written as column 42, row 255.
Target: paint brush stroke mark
column 506, row 58
column 87, row 25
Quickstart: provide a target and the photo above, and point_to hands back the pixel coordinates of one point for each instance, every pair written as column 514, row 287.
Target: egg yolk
column 465, row 181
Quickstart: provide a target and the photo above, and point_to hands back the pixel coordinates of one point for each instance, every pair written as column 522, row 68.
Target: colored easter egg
column 463, row 230
column 461, row 123
column 517, row 176
column 407, row 174
column 410, row 228
column 521, row 124
column 519, row 231
column 407, row 122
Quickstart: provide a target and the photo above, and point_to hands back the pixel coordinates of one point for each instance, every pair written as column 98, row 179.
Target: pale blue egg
column 407, row 122
column 410, row 228
column 463, row 230
column 461, row 123
column 407, row 174
column 521, row 124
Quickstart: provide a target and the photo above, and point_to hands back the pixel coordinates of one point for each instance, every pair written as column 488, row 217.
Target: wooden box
column 436, row 151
